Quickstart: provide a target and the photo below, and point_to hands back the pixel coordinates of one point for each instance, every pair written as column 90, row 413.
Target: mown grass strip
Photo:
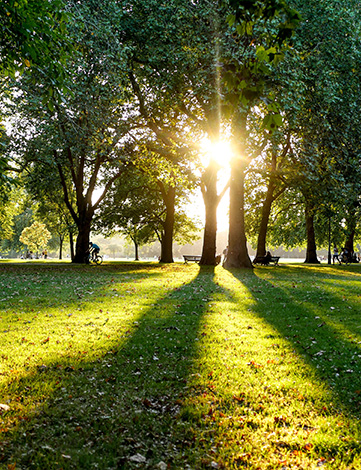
column 151, row 366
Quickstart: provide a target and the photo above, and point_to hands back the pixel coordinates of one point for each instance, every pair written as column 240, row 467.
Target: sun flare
column 219, row 152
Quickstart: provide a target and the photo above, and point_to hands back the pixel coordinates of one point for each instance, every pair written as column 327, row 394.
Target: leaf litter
column 178, row 379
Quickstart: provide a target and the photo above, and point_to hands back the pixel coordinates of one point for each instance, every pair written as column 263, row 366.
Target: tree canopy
column 108, row 96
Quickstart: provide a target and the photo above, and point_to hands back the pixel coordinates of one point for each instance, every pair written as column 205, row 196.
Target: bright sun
column 219, row 151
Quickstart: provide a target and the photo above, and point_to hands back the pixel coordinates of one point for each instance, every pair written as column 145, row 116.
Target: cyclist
column 93, row 250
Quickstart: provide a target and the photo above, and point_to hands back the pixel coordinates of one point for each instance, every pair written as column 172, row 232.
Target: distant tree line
column 105, row 105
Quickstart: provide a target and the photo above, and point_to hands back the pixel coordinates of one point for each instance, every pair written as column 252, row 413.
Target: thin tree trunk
column 168, row 226
column 311, row 252
column 266, row 210
column 71, row 242
column 136, row 250
column 61, row 240
column 263, row 228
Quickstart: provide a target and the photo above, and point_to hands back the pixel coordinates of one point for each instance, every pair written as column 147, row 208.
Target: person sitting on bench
column 267, row 259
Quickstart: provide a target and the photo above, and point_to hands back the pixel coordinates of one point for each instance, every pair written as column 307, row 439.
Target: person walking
column 335, row 254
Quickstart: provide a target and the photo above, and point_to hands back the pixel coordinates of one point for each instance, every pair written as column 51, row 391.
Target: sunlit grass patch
column 152, row 366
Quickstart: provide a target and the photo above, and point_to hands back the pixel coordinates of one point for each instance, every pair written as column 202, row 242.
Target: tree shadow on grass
column 140, row 403
column 115, row 412
column 316, row 321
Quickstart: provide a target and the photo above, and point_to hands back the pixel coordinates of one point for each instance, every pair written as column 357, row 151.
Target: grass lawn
column 151, row 366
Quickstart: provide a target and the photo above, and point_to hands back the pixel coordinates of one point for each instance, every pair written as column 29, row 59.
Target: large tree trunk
column 237, row 256
column 211, row 201
column 351, row 228
column 349, row 243
column 168, row 226
column 82, row 242
column 311, row 253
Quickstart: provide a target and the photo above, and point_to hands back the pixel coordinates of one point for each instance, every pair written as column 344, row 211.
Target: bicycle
column 95, row 258
column 345, row 258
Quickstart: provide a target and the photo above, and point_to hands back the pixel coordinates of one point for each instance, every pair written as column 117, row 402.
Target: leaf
column 162, row 466
column 138, row 458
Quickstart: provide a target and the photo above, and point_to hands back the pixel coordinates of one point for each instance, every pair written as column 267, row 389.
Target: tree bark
column 270, row 198
column 266, row 211
column 210, row 234
column 237, row 256
column 136, row 250
column 311, row 252
column 168, row 226
column 71, row 243
column 351, row 228
column 349, row 243
column 211, row 201
column 82, row 242
column 61, row 240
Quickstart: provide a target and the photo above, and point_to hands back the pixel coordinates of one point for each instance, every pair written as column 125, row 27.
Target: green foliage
column 34, row 40
column 263, row 30
column 35, row 237
column 16, row 214
column 146, row 83
column 135, row 207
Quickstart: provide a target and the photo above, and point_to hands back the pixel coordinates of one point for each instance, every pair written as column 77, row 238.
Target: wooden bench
column 262, row 260
column 195, row 258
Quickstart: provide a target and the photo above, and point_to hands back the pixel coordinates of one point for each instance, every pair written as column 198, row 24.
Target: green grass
column 151, row 366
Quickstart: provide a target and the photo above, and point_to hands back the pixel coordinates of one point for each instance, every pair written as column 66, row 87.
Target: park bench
column 262, row 260
column 195, row 258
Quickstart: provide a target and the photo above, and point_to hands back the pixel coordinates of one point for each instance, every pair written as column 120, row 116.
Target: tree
column 35, row 237
column 16, row 214
column 328, row 119
column 211, row 200
column 81, row 136
column 139, row 234
column 265, row 183
column 59, row 221
column 317, row 90
column 176, row 80
column 263, row 30
column 137, row 207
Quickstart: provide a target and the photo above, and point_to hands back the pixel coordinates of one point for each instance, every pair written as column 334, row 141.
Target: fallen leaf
column 138, row 458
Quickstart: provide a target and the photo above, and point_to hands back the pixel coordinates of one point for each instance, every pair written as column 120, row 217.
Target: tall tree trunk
column 211, row 201
column 349, row 243
column 136, row 250
column 61, row 241
column 210, row 234
column 71, row 243
column 237, row 256
column 311, row 253
column 351, row 228
column 266, row 211
column 168, row 226
column 270, row 196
